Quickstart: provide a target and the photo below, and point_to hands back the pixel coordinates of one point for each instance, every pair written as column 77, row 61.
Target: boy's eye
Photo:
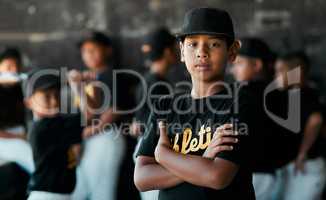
column 192, row 44
column 215, row 44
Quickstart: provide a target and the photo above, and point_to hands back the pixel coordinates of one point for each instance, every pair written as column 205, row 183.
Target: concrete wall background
column 47, row 30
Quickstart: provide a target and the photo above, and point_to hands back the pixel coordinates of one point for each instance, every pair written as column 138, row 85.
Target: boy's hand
column 75, row 79
column 164, row 139
column 222, row 141
column 299, row 164
column 163, row 142
column 77, row 150
column 74, row 76
column 135, row 129
column 89, row 76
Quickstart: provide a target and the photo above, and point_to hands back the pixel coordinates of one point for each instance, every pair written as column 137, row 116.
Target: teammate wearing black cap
column 305, row 171
column 252, row 67
column 52, row 138
column 176, row 160
column 15, row 153
column 254, row 61
column 109, row 150
column 159, row 49
column 10, row 61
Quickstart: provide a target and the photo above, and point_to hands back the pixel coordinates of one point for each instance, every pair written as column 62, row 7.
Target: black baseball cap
column 11, row 52
column 96, row 37
column 211, row 21
column 255, row 48
column 156, row 42
column 36, row 81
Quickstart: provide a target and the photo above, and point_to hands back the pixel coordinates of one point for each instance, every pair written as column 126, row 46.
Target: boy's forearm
column 4, row 134
column 195, row 169
column 154, row 177
column 311, row 133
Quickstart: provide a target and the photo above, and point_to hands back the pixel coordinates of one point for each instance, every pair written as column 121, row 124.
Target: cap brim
column 182, row 35
column 41, row 87
column 48, row 86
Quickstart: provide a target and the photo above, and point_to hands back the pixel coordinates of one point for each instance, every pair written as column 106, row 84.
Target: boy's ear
column 167, row 51
column 258, row 65
column 182, row 57
column 233, row 50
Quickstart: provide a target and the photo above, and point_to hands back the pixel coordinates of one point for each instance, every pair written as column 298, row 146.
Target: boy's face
column 281, row 69
column 282, row 75
column 9, row 65
column 244, row 68
column 205, row 57
column 94, row 55
column 44, row 103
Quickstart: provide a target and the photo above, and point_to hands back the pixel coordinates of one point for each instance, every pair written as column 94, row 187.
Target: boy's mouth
column 203, row 66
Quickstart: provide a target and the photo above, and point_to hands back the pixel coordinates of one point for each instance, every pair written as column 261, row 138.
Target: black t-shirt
column 55, row 163
column 11, row 106
column 105, row 77
column 156, row 87
column 310, row 103
column 266, row 158
column 191, row 124
column 119, row 93
column 288, row 146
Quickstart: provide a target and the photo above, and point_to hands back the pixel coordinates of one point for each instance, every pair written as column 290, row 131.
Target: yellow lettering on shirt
column 190, row 143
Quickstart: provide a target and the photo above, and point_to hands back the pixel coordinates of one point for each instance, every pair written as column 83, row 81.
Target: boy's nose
column 202, row 52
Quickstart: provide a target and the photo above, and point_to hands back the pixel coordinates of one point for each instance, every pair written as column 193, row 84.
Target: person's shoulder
column 105, row 77
column 166, row 104
column 42, row 128
column 255, row 86
column 74, row 120
column 166, row 101
column 311, row 91
column 71, row 116
column 246, row 94
column 39, row 123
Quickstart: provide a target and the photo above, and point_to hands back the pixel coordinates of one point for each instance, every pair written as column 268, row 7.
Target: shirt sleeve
column 243, row 120
column 314, row 104
column 151, row 135
column 150, row 138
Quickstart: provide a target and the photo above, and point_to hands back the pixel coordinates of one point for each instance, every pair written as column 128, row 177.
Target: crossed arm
column 170, row 168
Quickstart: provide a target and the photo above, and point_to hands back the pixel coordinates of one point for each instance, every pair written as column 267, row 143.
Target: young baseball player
column 180, row 151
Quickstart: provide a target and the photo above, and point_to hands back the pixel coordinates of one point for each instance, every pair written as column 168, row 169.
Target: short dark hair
column 96, row 37
column 13, row 53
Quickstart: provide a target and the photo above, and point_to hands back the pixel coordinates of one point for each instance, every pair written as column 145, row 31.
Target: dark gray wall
column 47, row 30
